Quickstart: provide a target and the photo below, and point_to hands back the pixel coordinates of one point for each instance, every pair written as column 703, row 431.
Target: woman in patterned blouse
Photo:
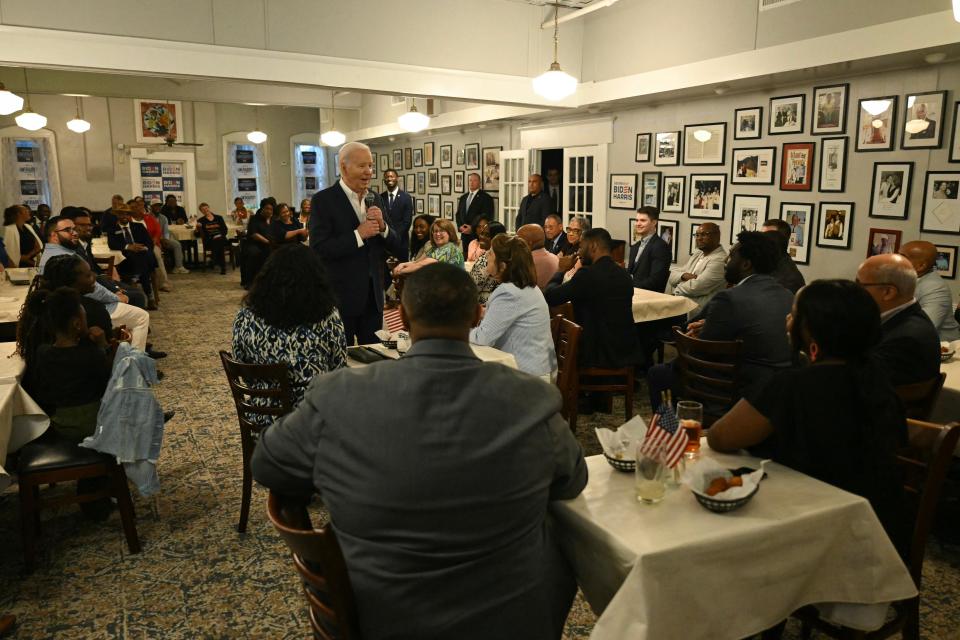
column 446, row 249
column 288, row 316
column 484, row 281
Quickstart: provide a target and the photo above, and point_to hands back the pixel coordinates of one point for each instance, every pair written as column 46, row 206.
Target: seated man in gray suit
column 932, row 292
column 702, row 276
column 439, row 505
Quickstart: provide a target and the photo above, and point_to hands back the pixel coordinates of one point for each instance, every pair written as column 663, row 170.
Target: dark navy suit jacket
column 399, row 216
column 652, row 270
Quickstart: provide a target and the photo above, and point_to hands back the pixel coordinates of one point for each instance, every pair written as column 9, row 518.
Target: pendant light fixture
column 956, row 10
column 414, row 121
column 78, row 124
column 256, row 136
column 28, row 119
column 332, row 137
column 9, row 102
column 555, row 84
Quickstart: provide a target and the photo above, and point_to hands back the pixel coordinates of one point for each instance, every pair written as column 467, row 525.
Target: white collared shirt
column 360, row 208
column 889, row 313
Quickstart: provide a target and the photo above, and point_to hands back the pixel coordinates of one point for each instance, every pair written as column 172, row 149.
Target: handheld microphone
column 370, row 199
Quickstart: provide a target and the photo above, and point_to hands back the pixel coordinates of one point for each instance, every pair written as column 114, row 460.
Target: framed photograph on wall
column 749, row 212
column 623, row 191
column 410, row 183
column 433, row 178
column 876, row 118
column 433, row 204
column 693, row 237
column 421, row 182
column 408, row 158
column 398, row 159
column 157, row 120
column 448, row 208
column 384, row 162
column 833, row 165
column 799, row 215
column 835, row 225
column 428, row 154
column 446, row 185
column 491, row 168
column 667, row 230
column 883, row 241
column 650, row 189
column 375, row 164
column 643, row 147
column 946, row 263
column 418, row 157
column 708, row 193
column 829, row 113
column 705, row 144
column 923, row 120
column 941, row 206
column 446, row 156
column 755, row 165
column 747, row 123
column 458, row 181
column 419, row 205
column 673, row 189
column 460, row 157
column 667, row 149
column 890, row 192
column 796, row 168
column 786, row 115
column 472, row 156
column 955, row 139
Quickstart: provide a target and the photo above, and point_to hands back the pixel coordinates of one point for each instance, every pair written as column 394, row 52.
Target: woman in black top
column 284, row 229
column 256, row 246
column 838, row 419
column 213, row 230
column 74, row 272
column 420, row 233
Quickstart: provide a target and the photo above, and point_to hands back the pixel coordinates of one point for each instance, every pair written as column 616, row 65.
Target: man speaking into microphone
column 348, row 231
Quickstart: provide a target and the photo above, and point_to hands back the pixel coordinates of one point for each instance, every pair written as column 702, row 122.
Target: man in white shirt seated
column 702, row 276
column 932, row 292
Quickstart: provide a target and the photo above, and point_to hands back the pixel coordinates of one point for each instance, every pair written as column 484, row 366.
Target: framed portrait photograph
column 674, row 188
column 875, row 122
column 398, row 159
column 421, row 182
column 623, row 191
column 786, row 115
column 756, row 165
column 667, row 230
column 946, row 263
column 829, row 113
column 448, row 209
column 883, row 241
column 419, row 205
column 954, row 155
column 708, row 193
column 471, row 154
column 890, row 192
column 923, row 120
column 650, row 189
column 433, row 204
column 667, row 149
column 747, row 123
column 705, row 144
column 458, row 181
column 694, row 228
column 835, row 225
column 833, row 165
column 410, row 183
column 446, row 156
column 643, row 147
column 749, row 212
column 428, row 154
column 460, row 157
column 799, row 215
column 375, row 164
column 384, row 162
column 157, row 120
column 491, row 168
column 446, row 185
column 796, row 168
column 941, row 206
column 433, row 178
column 408, row 158
column 418, row 157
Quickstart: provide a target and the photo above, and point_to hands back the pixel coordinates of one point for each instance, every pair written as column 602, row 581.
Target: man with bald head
column 544, row 262
column 702, row 276
column 910, row 349
column 535, row 206
column 933, row 294
column 352, row 238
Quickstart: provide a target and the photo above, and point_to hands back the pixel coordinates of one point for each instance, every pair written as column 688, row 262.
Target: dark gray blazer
column 652, row 269
column 533, row 210
column 909, row 351
column 439, row 501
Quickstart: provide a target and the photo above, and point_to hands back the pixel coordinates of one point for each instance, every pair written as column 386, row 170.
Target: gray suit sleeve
column 284, row 457
column 570, row 470
column 937, row 304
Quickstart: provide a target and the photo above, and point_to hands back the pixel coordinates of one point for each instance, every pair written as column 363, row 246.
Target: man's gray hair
column 349, row 149
column 901, row 275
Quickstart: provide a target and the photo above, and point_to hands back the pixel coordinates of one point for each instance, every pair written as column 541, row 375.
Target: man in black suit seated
column 473, row 206
column 555, row 239
column 754, row 309
column 786, row 273
column 535, row 206
column 910, row 348
column 602, row 295
column 351, row 239
column 649, row 264
column 399, row 212
column 135, row 243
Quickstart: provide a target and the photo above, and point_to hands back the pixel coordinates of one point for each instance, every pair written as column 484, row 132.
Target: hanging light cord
column 556, row 31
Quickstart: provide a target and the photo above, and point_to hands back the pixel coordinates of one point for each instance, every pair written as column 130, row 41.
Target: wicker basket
column 723, row 506
column 621, row 464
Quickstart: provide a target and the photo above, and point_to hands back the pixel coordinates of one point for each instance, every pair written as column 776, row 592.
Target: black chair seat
column 50, row 453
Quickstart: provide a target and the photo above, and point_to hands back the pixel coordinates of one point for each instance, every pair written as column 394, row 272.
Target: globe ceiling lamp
column 257, row 136
column 29, row 120
column 78, row 124
column 555, row 84
column 332, row 137
column 9, row 102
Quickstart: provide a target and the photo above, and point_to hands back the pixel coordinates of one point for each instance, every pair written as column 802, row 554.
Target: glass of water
column 650, row 479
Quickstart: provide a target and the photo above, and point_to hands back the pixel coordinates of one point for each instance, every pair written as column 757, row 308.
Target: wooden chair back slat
column 567, row 344
column 278, row 393
column 919, row 399
column 565, row 310
column 708, row 371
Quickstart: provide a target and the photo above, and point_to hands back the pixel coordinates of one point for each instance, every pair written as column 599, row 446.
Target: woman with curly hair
column 446, row 249
column 289, row 316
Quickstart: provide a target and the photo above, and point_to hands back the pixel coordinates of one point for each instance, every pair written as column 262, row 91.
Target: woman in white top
column 21, row 241
column 517, row 319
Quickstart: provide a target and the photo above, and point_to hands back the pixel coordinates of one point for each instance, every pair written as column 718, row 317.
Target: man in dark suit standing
column 399, row 212
column 535, row 206
column 555, row 191
column 556, row 240
column 649, row 263
column 473, row 206
column 909, row 351
column 351, row 238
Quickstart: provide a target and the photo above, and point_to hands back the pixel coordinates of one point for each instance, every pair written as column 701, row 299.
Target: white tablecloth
column 12, row 298
column 11, row 366
column 100, row 249
column 650, row 305
column 487, row 354
column 676, row 570
column 183, row 233
column 21, row 420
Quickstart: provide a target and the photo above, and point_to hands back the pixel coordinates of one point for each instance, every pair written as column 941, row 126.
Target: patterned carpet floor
column 196, row 576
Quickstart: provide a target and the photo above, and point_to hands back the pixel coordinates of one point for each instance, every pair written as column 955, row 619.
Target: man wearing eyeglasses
column 702, row 276
column 910, row 348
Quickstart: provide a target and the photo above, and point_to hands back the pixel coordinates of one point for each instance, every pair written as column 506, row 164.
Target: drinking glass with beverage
column 649, row 480
column 690, row 415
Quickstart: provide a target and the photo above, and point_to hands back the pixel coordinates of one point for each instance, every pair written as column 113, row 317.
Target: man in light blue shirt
column 932, row 292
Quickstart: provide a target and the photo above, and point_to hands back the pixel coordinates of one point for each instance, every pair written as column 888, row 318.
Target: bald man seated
column 910, row 348
column 933, row 294
column 702, row 276
column 544, row 262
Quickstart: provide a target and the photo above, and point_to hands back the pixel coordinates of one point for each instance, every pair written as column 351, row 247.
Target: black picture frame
column 419, row 205
column 737, row 156
column 863, row 146
column 471, row 160
column 787, row 129
column 693, row 237
column 398, row 159
column 904, row 195
column 799, row 252
column 407, row 158
column 446, row 156
column 698, row 212
column 676, row 205
column 433, row 178
column 761, row 215
column 459, row 181
column 718, row 129
column 654, row 200
column 421, row 182
column 816, row 128
column 418, row 157
column 929, row 185
column 825, row 145
column 446, row 185
column 822, row 211
column 907, row 138
column 673, row 240
column 639, row 156
column 954, row 153
column 951, row 251
column 751, row 134
column 428, row 151
column 628, row 201
column 665, row 137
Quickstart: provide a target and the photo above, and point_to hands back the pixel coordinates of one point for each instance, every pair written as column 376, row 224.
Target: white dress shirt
column 360, row 208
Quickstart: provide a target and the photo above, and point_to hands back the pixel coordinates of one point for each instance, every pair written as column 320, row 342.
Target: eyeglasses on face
column 67, row 230
column 573, row 230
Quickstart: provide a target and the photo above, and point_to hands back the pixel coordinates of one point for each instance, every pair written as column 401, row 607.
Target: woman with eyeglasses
column 486, row 283
column 446, row 249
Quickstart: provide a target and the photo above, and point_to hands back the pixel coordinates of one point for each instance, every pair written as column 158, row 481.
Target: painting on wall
column 157, row 120
column 946, row 263
column 749, row 212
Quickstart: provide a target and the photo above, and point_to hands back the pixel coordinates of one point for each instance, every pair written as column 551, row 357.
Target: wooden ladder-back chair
column 322, row 569
column 566, row 342
column 250, row 384
column 919, row 398
column 709, row 373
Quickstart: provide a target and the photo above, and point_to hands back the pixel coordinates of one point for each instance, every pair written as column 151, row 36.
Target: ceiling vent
column 767, row 5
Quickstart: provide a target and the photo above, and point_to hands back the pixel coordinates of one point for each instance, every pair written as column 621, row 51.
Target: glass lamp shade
column 875, row 107
column 956, row 10
column 9, row 102
column 554, row 84
column 332, row 138
column 31, row 121
column 414, row 121
column 702, row 135
column 78, row 125
column 256, row 137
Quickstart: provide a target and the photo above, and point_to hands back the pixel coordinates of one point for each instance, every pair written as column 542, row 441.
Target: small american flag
column 391, row 320
column 665, row 432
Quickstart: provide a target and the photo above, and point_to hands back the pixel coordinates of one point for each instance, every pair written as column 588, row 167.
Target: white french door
column 513, row 184
column 585, row 179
